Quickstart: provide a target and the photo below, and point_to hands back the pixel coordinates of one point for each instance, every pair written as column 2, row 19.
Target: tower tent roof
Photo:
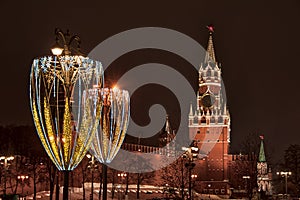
column 262, row 156
column 210, row 51
column 166, row 133
column 167, row 127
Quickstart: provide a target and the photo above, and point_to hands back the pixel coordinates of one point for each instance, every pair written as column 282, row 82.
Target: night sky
column 257, row 43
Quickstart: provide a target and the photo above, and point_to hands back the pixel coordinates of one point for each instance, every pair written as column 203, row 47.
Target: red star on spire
column 210, row 28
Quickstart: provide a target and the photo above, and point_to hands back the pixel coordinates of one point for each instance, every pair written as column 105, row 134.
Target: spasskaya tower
column 209, row 124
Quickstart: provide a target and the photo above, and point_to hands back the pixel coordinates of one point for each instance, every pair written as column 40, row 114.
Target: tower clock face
column 208, row 100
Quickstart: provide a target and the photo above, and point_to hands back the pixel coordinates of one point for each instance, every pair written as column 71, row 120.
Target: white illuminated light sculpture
column 65, row 120
column 112, row 125
column 64, row 123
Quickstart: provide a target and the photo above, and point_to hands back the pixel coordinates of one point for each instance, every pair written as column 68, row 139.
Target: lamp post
column 126, row 189
column 104, row 175
column 22, row 178
column 285, row 175
column 191, row 154
column 246, row 183
column 122, row 176
column 6, row 164
column 182, row 179
column 64, row 116
column 92, row 166
column 194, row 177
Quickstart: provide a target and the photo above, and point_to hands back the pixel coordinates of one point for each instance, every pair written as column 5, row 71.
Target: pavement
column 147, row 192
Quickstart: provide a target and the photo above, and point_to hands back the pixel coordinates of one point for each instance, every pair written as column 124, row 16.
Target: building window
column 220, row 120
column 198, row 131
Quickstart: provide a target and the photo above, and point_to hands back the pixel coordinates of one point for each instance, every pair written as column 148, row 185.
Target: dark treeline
column 20, row 140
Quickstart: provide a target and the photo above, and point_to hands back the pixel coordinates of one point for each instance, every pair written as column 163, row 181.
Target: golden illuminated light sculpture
column 113, row 124
column 65, row 120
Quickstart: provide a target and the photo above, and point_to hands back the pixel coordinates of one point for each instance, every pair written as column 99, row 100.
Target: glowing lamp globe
column 57, row 51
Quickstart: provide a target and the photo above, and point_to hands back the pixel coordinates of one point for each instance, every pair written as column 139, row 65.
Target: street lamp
column 209, row 185
column 285, row 174
column 191, row 154
column 22, row 178
column 6, row 165
column 246, row 184
column 65, row 40
column 122, row 176
column 65, row 117
column 92, row 167
column 113, row 123
column 112, row 127
column 194, row 177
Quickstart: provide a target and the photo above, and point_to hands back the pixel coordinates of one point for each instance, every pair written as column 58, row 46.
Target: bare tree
column 36, row 170
column 51, row 175
column 292, row 164
column 174, row 176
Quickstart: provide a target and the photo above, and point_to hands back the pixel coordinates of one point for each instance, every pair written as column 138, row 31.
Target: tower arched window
column 208, row 73
column 220, row 119
column 195, row 120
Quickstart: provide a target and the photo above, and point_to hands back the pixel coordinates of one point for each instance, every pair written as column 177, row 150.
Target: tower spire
column 262, row 156
column 210, row 52
column 168, row 128
column 191, row 110
column 167, row 137
column 166, row 134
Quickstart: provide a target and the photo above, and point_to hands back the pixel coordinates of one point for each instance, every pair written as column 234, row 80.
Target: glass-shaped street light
column 56, row 87
column 65, row 120
column 112, row 125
